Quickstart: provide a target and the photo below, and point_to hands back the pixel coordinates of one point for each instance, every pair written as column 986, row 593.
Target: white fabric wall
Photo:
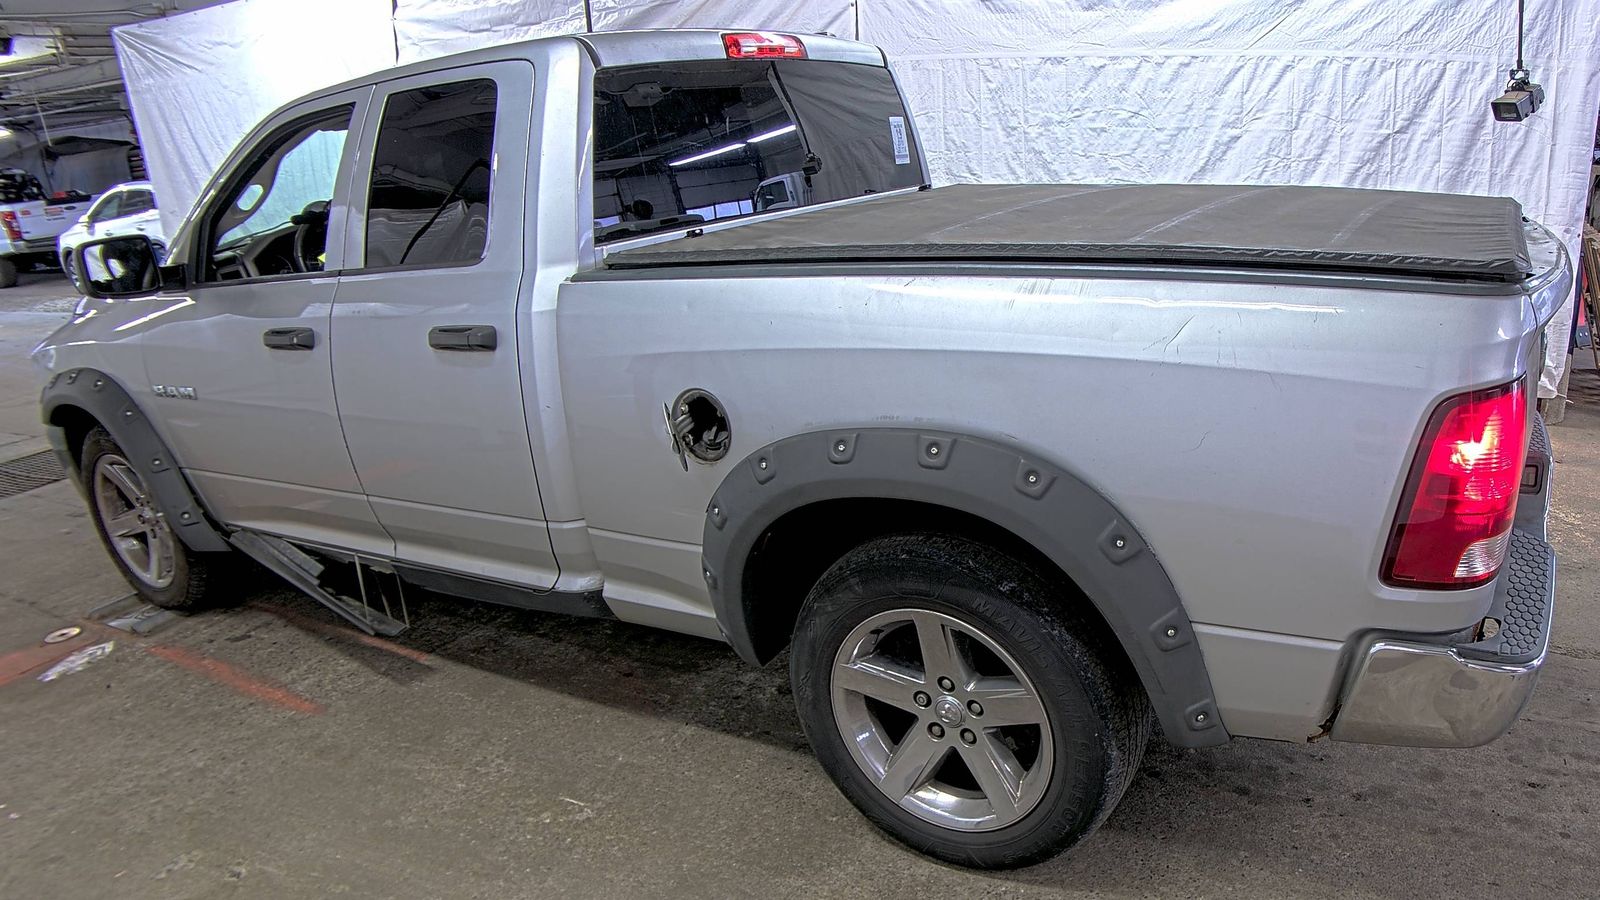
column 424, row 29
column 836, row 17
column 1338, row 92
column 1364, row 93
column 198, row 82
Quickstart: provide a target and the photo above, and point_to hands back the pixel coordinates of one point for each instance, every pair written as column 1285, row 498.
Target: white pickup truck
column 30, row 222
column 1014, row 473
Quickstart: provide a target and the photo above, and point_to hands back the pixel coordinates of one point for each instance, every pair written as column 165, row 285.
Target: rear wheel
column 136, row 534
column 955, row 700
column 8, row 272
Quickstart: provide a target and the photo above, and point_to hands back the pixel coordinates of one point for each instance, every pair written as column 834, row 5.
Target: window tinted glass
column 136, row 202
column 108, row 207
column 275, row 218
column 677, row 143
column 429, row 198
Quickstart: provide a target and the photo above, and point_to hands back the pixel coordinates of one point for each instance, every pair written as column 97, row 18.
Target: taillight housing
column 762, row 45
column 8, row 218
column 1460, row 499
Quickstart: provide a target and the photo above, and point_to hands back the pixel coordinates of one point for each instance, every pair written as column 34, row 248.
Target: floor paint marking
column 239, row 680
column 19, row 663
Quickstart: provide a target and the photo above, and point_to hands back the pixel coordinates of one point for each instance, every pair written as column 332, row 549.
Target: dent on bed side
column 1017, row 493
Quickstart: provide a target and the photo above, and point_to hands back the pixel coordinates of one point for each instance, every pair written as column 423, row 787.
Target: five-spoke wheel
column 137, row 529
column 964, row 701
column 131, row 521
column 942, row 719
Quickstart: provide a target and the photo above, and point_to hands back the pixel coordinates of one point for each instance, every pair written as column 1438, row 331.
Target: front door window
column 274, row 221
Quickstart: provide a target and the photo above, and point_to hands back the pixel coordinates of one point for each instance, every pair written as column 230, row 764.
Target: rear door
column 425, row 324
column 138, row 214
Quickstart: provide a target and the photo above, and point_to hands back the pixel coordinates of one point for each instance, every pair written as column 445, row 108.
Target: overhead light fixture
column 1522, row 98
column 706, row 155
column 4, row 132
column 769, row 135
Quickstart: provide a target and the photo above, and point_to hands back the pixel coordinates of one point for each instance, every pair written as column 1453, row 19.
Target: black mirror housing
column 126, row 266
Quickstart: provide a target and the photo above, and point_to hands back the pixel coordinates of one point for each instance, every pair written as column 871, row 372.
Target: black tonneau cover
column 1447, row 236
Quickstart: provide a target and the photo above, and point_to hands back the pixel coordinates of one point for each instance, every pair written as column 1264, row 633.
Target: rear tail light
column 763, row 45
column 1461, row 496
column 8, row 218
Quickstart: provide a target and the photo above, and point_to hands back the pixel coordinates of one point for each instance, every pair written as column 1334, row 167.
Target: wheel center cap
column 948, row 709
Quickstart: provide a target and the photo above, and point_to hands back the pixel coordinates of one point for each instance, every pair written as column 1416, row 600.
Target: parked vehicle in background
column 128, row 208
column 1014, row 472
column 782, row 192
column 31, row 222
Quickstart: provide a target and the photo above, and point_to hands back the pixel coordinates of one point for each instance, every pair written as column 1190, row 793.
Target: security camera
column 1521, row 99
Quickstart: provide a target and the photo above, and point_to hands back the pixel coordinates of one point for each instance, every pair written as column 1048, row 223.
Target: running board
column 305, row 573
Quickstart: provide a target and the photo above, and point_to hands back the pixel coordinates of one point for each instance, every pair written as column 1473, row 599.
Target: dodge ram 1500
column 1014, row 472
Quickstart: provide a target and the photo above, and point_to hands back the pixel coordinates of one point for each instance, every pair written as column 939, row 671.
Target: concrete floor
column 266, row 751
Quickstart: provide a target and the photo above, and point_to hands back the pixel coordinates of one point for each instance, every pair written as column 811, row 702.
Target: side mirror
column 120, row 267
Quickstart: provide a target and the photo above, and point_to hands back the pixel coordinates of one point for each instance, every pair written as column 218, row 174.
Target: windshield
column 687, row 142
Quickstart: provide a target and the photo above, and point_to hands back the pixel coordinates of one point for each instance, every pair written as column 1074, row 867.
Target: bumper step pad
column 1521, row 603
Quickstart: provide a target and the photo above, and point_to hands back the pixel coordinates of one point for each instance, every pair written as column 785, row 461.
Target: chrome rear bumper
column 1417, row 694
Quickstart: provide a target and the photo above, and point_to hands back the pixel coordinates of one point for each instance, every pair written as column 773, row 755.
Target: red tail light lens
column 763, row 45
column 1461, row 497
column 8, row 218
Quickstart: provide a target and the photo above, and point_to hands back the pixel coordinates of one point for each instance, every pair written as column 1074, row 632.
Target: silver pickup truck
column 1014, row 473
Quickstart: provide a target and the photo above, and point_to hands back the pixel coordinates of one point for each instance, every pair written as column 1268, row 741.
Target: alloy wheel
column 942, row 720
column 137, row 529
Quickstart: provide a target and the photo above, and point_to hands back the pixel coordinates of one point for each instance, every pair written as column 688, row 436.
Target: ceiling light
column 706, row 155
column 776, row 132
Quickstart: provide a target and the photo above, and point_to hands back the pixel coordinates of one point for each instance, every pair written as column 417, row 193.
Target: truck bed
column 1438, row 236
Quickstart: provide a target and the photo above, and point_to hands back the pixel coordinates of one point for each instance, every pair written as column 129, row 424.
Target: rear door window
column 136, row 202
column 681, row 143
column 428, row 201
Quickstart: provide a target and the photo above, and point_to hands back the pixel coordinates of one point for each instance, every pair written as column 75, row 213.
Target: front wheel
column 136, row 534
column 956, row 700
column 69, row 265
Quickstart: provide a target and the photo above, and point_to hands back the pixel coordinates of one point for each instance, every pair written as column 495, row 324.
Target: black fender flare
column 1043, row 504
column 99, row 395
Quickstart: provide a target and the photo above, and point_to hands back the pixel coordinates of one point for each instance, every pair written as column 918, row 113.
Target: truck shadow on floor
column 1332, row 819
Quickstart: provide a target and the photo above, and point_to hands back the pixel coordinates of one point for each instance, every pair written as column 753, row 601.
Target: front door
column 425, row 319
column 240, row 361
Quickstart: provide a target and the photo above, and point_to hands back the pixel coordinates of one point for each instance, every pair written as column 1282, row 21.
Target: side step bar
column 305, row 573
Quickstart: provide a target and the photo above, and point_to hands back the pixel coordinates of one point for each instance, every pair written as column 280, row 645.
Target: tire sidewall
column 1050, row 656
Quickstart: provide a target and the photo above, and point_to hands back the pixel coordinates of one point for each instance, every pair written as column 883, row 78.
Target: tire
column 875, row 716
column 171, row 576
column 8, row 272
column 70, row 267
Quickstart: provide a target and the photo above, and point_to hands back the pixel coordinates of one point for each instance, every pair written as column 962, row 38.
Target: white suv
column 126, row 209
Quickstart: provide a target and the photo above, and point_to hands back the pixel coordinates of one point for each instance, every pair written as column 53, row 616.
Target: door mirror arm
column 174, row 277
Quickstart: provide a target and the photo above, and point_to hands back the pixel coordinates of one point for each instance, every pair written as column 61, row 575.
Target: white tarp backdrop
column 199, row 81
column 1361, row 93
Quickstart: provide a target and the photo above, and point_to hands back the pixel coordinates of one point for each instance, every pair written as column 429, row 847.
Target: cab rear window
column 682, row 143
